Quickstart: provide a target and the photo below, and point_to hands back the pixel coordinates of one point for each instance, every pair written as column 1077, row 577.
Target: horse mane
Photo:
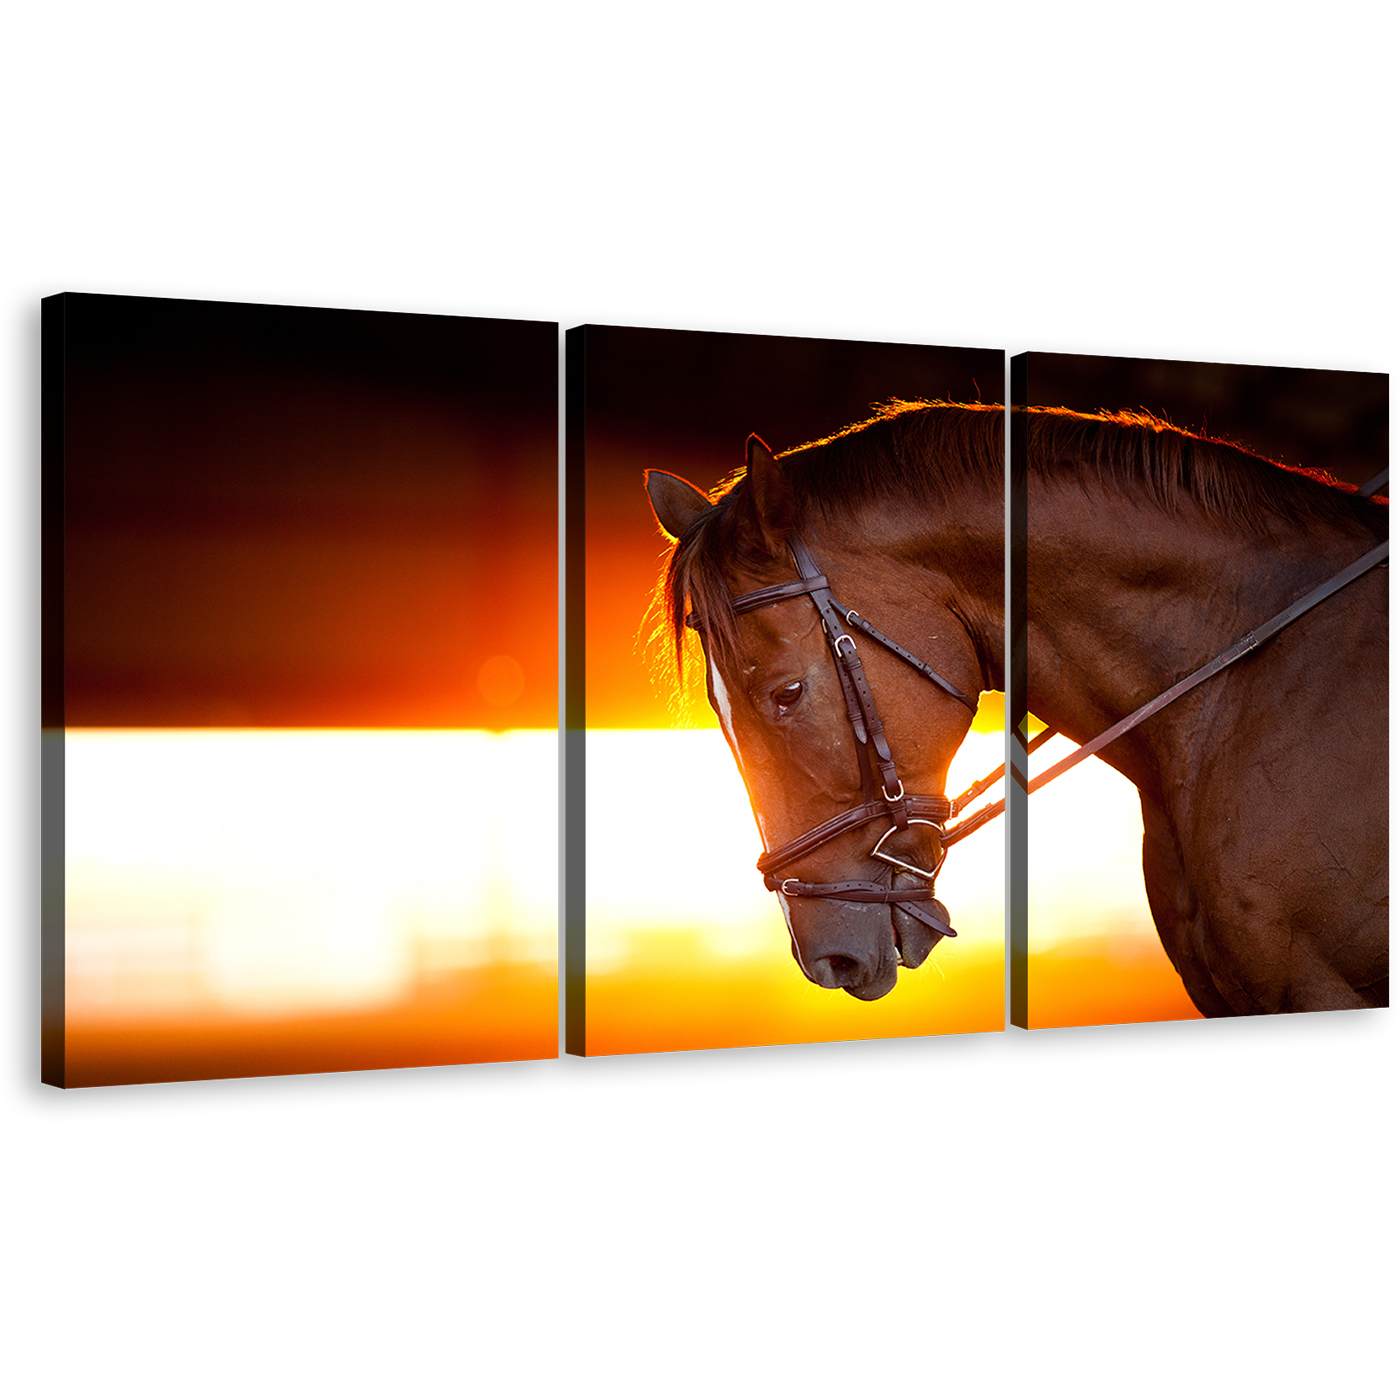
column 924, row 450
column 1145, row 456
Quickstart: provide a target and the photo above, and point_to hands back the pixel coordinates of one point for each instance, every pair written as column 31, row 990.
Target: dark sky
column 290, row 516
column 1333, row 420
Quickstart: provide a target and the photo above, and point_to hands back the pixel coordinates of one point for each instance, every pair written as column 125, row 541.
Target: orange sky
column 625, row 689
column 291, row 516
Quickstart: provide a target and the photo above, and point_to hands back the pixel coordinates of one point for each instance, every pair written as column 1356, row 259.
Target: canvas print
column 785, row 623
column 1200, row 608
column 300, row 675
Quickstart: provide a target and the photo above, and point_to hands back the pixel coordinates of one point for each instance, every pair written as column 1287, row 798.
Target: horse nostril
column 836, row 970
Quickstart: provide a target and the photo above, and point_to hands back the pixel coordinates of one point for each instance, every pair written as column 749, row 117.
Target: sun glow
column 1085, row 853
column 301, row 873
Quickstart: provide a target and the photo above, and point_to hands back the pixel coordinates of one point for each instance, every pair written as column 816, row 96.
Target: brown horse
column 1149, row 551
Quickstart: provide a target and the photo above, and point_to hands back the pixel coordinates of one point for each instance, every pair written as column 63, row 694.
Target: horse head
column 834, row 778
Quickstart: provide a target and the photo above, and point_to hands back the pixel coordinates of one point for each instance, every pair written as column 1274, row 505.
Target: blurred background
column 309, row 665
column 684, row 947
column 1094, row 954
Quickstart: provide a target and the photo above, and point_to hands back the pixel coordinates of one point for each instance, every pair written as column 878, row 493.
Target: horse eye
column 788, row 696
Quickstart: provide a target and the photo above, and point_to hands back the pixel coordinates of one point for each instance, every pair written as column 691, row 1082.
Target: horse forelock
column 696, row 583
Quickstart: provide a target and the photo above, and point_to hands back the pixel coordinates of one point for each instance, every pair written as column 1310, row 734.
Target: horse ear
column 675, row 502
column 770, row 493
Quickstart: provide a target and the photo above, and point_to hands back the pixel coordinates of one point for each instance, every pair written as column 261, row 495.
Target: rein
column 1228, row 657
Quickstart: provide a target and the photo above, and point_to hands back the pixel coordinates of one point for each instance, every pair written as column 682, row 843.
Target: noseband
column 882, row 788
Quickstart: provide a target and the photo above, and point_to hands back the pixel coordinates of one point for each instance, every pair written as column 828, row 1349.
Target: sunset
column 300, row 656
column 305, row 664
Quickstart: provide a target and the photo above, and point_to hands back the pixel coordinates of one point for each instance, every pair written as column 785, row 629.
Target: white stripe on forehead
column 726, row 723
column 721, row 695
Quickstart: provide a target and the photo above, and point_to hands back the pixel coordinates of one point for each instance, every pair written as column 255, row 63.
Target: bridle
column 881, row 785
column 884, row 794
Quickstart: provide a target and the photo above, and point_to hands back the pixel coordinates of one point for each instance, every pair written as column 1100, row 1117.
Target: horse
column 1148, row 550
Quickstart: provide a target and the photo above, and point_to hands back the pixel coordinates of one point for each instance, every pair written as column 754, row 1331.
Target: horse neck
column 1124, row 600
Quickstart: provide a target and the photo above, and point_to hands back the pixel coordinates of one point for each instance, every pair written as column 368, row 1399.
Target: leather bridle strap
column 778, row 592
column 854, row 619
column 860, row 702
column 1228, row 657
column 983, row 815
column 934, row 809
column 815, row 582
column 868, row 892
column 995, row 776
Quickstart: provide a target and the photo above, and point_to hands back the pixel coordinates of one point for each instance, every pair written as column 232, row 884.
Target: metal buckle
column 783, row 888
column 897, row 797
column 929, row 875
column 844, row 637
